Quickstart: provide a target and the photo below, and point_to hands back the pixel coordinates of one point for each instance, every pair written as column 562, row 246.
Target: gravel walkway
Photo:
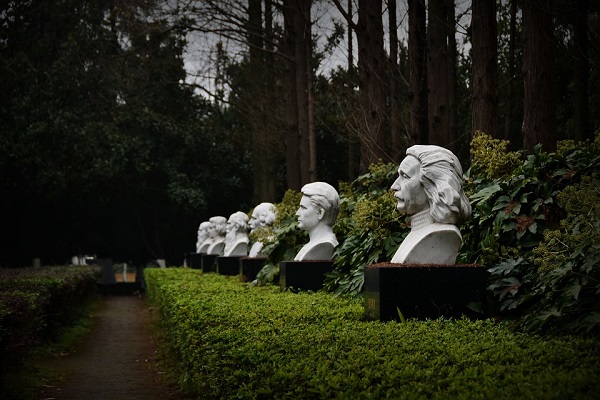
column 117, row 360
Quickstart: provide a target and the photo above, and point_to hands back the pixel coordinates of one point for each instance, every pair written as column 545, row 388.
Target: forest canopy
column 116, row 139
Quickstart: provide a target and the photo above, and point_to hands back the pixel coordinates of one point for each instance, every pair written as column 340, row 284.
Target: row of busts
column 316, row 214
column 428, row 189
column 229, row 237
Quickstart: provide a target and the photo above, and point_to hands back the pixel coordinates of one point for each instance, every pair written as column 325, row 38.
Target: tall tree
column 417, row 56
column 484, row 68
column 394, row 83
column 371, row 72
column 452, row 74
column 371, row 78
column 438, row 88
column 258, row 101
column 513, row 136
column 299, row 101
column 539, row 125
column 579, row 17
column 353, row 144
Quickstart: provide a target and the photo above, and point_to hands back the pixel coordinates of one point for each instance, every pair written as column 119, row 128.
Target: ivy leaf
column 573, row 290
column 485, row 193
column 505, row 267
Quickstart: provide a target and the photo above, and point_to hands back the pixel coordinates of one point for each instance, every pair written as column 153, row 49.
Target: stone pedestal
column 208, row 262
column 423, row 291
column 108, row 271
column 304, row 275
column 250, row 267
column 195, row 260
column 228, row 265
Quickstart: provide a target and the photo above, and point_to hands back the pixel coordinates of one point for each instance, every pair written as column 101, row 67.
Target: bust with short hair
column 236, row 238
column 429, row 190
column 263, row 216
column 203, row 240
column 317, row 213
column 216, row 233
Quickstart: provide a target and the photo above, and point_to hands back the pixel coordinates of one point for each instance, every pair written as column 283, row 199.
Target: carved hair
column 266, row 209
column 220, row 224
column 240, row 220
column 323, row 196
column 441, row 176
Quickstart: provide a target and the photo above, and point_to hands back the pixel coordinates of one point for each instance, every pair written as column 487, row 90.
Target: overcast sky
column 200, row 53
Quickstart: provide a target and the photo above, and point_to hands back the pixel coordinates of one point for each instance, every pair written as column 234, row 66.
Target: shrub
column 233, row 342
column 36, row 304
column 568, row 258
column 515, row 218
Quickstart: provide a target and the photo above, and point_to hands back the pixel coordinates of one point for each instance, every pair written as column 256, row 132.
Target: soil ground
column 116, row 360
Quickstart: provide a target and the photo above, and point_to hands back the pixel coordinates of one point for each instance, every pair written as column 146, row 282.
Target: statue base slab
column 195, row 260
column 208, row 262
column 228, row 265
column 423, row 291
column 250, row 267
column 304, row 275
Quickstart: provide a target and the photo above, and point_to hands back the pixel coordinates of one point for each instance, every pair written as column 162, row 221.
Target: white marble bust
column 216, row 233
column 236, row 238
column 203, row 240
column 317, row 213
column 263, row 216
column 429, row 190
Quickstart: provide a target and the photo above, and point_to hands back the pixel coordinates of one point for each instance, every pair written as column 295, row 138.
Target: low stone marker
column 304, row 275
column 396, row 291
column 228, row 265
column 250, row 267
column 195, row 260
column 208, row 262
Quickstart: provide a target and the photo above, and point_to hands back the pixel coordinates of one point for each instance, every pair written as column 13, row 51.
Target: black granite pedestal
column 250, row 267
column 195, row 260
column 208, row 262
column 423, row 291
column 228, row 265
column 304, row 275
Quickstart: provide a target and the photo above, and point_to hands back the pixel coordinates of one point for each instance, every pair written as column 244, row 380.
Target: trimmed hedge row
column 232, row 341
column 36, row 303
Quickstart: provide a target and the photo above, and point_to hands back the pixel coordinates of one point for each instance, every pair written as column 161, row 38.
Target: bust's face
column 255, row 220
column 307, row 215
column 409, row 191
column 211, row 231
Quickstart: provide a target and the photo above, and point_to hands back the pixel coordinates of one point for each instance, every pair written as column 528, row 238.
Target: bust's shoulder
column 433, row 244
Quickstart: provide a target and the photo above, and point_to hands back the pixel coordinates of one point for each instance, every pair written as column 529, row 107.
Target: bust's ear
column 320, row 213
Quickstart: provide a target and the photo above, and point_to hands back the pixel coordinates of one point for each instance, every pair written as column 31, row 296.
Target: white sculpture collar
column 421, row 220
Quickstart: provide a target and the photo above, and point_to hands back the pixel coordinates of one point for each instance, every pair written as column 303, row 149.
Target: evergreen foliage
column 534, row 228
column 228, row 341
column 36, row 305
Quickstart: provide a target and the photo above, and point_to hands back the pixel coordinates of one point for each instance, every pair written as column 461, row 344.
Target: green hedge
column 232, row 341
column 36, row 304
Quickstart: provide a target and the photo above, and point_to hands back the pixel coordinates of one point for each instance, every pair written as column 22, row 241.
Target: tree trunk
column 453, row 143
column 582, row 71
column 290, row 98
column 509, row 134
column 485, row 68
column 438, row 91
column 352, row 139
column 539, row 124
column 299, row 97
column 417, row 55
column 371, row 69
column 395, row 134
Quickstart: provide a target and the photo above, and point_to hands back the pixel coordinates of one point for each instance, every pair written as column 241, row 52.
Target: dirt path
column 117, row 360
